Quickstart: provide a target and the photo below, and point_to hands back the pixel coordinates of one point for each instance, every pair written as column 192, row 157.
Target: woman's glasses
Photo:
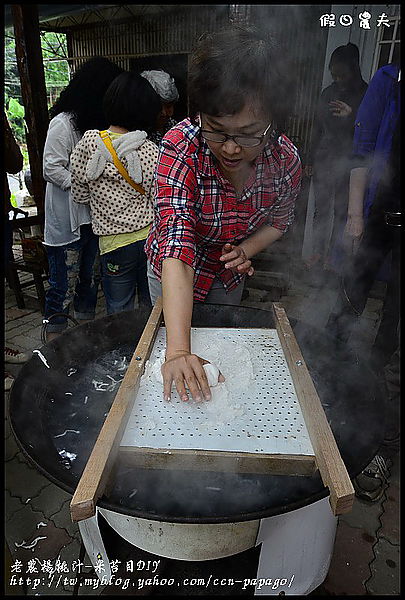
column 246, row 141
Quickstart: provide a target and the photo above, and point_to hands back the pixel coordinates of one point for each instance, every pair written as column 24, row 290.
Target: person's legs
column 154, row 285
column 385, row 342
column 371, row 483
column 71, row 280
column 58, row 286
column 336, row 256
column 365, row 267
column 392, row 383
column 359, row 278
column 119, row 277
column 324, row 190
column 141, row 276
column 72, row 258
column 85, row 298
column 97, row 271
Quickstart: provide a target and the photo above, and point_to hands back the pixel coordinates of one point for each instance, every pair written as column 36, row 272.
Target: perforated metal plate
column 256, row 409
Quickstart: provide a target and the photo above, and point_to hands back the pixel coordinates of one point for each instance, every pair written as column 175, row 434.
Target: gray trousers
column 216, row 295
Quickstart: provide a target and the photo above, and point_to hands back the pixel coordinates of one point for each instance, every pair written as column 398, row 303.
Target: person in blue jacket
column 371, row 229
column 376, row 120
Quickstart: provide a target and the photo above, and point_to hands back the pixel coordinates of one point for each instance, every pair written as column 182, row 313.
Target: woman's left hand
column 353, row 233
column 235, row 259
column 340, row 109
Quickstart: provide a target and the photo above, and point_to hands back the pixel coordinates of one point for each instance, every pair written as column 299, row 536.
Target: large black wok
column 56, row 415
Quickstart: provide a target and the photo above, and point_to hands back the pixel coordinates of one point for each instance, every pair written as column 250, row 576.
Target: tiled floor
column 38, row 525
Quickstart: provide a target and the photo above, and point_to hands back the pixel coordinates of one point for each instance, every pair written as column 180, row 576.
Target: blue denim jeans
column 72, row 279
column 123, row 273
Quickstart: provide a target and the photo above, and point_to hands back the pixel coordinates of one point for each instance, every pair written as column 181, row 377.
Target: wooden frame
column 327, row 457
column 218, row 460
column 101, row 461
column 330, row 464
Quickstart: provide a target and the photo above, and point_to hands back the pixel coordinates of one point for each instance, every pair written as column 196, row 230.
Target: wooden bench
column 37, row 268
column 39, row 273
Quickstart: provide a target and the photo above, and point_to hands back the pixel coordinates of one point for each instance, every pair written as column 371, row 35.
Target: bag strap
column 107, row 141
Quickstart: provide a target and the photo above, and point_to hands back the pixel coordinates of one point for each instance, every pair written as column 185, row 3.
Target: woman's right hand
column 185, row 369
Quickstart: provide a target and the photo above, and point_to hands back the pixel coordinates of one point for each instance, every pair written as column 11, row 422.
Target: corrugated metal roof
column 148, row 35
column 65, row 17
column 48, row 12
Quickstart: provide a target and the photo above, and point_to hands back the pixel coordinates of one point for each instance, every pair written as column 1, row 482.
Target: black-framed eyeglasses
column 246, row 141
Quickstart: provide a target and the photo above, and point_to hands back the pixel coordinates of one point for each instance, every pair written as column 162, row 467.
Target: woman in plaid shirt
column 226, row 184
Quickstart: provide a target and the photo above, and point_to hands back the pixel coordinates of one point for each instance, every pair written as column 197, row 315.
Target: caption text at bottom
column 155, row 581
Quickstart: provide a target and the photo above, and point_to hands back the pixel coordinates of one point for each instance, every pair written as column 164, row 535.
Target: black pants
column 379, row 241
column 392, row 393
column 331, row 190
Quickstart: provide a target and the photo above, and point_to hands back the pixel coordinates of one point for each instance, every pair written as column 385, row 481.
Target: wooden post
column 33, row 90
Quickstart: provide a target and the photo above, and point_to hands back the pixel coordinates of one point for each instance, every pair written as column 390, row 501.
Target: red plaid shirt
column 197, row 212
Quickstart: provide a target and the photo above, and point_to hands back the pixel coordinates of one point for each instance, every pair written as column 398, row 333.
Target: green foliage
column 15, row 109
column 54, row 52
column 15, row 116
column 56, row 70
column 11, row 77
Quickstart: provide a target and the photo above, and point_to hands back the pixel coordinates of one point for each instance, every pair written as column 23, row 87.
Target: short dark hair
column 346, row 55
column 230, row 67
column 132, row 103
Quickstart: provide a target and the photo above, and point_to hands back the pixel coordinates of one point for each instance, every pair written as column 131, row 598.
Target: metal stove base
column 296, row 547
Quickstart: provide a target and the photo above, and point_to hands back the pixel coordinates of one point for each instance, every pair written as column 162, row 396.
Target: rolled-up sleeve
column 175, row 197
column 282, row 213
column 57, row 150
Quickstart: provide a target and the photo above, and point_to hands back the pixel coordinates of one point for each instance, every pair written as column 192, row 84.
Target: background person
column 330, row 154
column 13, row 163
column 226, row 184
column 71, row 245
column 120, row 213
column 372, row 231
column 164, row 85
column 372, row 234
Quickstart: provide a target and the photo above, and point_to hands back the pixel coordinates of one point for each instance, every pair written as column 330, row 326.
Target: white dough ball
column 212, row 373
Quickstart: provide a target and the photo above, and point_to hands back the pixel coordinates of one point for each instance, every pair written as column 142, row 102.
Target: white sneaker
column 14, row 356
